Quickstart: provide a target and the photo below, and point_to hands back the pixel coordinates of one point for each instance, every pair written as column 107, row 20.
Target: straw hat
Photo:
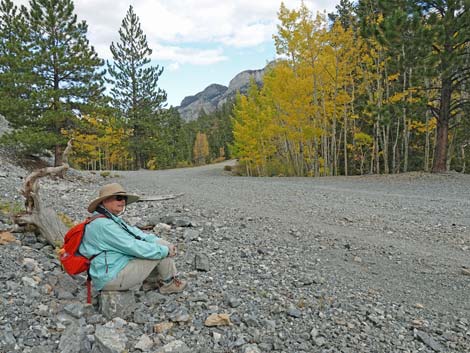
column 109, row 190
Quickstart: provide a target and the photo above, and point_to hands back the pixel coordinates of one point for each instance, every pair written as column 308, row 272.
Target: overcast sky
column 198, row 42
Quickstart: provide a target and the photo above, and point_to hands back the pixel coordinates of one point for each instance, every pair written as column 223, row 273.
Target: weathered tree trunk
column 440, row 156
column 45, row 220
column 440, row 150
column 57, row 156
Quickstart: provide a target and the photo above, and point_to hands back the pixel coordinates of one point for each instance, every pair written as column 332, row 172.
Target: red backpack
column 71, row 259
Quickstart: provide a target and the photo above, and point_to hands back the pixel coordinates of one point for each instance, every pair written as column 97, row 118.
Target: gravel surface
column 344, row 264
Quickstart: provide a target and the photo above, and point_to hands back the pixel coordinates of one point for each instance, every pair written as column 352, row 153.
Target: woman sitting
column 124, row 256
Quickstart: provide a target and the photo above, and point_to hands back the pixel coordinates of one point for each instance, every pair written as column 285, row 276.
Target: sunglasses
column 120, row 198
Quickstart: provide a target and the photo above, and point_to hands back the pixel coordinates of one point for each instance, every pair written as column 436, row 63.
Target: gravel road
column 338, row 264
column 406, row 236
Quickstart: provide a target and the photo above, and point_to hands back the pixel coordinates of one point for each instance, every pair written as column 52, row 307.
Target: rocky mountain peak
column 215, row 95
column 210, row 92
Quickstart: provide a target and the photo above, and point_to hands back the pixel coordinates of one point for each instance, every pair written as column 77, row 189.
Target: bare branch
column 434, row 111
column 459, row 105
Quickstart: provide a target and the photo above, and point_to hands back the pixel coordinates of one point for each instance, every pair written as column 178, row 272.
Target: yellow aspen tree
column 252, row 130
column 288, row 39
column 300, row 40
column 291, row 93
column 100, row 143
column 201, row 149
column 115, row 145
column 373, row 69
column 343, row 55
column 362, row 149
column 314, row 34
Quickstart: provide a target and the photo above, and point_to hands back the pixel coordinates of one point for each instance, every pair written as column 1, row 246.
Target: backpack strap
column 103, row 211
column 88, row 289
column 92, row 218
column 88, row 221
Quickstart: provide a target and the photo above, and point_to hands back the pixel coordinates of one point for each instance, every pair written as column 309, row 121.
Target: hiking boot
column 175, row 286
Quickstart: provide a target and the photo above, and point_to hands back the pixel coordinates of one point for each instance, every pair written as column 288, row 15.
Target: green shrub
column 183, row 164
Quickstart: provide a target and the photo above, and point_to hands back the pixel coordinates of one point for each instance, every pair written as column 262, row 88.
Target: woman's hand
column 172, row 250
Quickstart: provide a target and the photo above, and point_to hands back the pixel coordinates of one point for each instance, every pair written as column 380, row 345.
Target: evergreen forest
column 375, row 87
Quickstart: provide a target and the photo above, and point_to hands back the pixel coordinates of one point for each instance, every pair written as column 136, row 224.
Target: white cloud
column 173, row 67
column 250, row 35
column 172, row 25
column 188, row 55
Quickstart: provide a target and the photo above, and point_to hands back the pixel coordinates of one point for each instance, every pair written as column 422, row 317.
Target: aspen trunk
column 450, row 151
column 334, row 156
column 427, row 145
column 395, row 154
column 405, row 132
column 462, row 155
column 376, row 139
column 345, row 147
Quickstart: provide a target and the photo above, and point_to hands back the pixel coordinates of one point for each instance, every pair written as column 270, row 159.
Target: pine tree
column 169, row 146
column 427, row 41
column 446, row 26
column 67, row 64
column 135, row 90
column 345, row 14
column 16, row 75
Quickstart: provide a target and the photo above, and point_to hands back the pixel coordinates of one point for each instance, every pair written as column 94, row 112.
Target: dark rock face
column 215, row 95
column 210, row 93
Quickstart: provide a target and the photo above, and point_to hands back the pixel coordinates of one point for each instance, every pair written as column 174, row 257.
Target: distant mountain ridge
column 215, row 95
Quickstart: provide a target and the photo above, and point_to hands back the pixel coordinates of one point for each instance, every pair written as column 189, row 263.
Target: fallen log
column 45, row 220
column 159, row 198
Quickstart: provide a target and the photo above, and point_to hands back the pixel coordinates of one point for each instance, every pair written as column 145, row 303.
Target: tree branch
column 459, row 105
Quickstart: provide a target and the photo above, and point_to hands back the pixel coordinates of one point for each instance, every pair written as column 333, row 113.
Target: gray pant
column 138, row 270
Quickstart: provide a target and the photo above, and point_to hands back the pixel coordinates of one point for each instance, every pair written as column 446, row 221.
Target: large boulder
column 117, row 304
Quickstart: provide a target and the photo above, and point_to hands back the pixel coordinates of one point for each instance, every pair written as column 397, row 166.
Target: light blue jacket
column 115, row 248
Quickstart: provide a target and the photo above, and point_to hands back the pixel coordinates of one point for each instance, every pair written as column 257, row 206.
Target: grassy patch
column 66, row 219
column 11, row 207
